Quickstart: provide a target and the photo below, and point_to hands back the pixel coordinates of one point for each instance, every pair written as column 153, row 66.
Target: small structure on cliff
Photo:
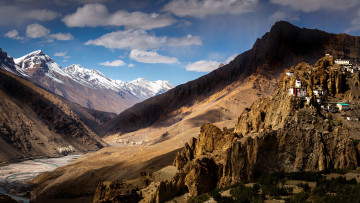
column 343, row 106
column 342, row 62
column 290, row 74
column 318, row 92
column 332, row 108
column 297, row 92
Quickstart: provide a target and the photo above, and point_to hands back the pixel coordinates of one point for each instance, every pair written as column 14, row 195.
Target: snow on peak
column 37, row 52
column 92, row 78
column 140, row 88
column 39, row 60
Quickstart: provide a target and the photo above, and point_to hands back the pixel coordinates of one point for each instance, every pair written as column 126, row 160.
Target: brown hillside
column 285, row 45
column 35, row 123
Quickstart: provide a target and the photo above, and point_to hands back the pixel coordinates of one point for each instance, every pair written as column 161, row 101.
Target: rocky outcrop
column 116, row 192
column 7, row 63
column 235, row 158
column 278, row 133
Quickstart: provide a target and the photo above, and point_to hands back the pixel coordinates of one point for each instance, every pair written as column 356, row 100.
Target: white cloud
column 202, row 8
column 128, row 39
column 37, row 31
column 41, row 14
column 93, row 15
column 62, row 36
column 131, row 65
column 17, row 15
column 115, row 63
column 151, row 57
column 62, row 54
column 315, row 5
column 283, row 15
column 71, row 2
column 13, row 34
column 140, row 39
column 355, row 23
column 185, row 41
column 203, row 66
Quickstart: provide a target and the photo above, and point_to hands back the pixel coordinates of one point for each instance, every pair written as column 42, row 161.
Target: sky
column 173, row 40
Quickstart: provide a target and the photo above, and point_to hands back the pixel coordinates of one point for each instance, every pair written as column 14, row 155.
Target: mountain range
column 164, row 123
column 35, row 123
column 89, row 88
column 42, row 114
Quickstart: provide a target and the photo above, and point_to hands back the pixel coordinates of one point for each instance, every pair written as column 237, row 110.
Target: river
column 14, row 178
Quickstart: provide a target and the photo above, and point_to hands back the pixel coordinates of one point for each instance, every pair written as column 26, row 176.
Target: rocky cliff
column 278, row 133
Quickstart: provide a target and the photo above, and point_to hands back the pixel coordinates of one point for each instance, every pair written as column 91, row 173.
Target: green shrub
column 199, row 199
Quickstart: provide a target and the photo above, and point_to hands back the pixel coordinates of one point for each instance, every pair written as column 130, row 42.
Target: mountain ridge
column 36, row 123
column 83, row 86
column 284, row 46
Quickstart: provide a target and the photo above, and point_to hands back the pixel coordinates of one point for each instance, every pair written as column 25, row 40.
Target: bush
column 241, row 193
column 305, row 187
column 339, row 122
column 298, row 198
column 199, row 199
column 330, row 117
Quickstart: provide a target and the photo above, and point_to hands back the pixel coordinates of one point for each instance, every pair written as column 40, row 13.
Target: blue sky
column 174, row 40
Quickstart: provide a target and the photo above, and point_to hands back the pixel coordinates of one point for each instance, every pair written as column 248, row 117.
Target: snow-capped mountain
column 140, row 88
column 88, row 87
column 37, row 59
column 91, row 78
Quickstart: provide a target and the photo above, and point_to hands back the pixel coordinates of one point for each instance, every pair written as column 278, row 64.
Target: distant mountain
column 36, row 123
column 284, row 46
column 140, row 88
column 89, row 88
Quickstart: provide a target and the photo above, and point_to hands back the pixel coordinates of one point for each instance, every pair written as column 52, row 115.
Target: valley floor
column 15, row 177
column 119, row 162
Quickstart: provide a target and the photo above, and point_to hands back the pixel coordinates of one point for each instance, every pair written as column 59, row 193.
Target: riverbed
column 14, row 178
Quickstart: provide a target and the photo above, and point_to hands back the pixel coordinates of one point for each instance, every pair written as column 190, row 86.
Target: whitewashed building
column 343, row 106
column 290, row 74
column 342, row 62
column 297, row 92
column 297, row 83
column 352, row 118
column 319, row 92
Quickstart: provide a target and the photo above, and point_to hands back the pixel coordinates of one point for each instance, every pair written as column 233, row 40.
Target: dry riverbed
column 15, row 177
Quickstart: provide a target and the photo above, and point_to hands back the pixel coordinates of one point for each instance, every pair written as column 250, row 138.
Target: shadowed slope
column 285, row 45
column 35, row 123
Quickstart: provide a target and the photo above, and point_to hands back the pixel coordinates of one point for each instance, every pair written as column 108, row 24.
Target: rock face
column 278, row 133
column 116, row 192
column 284, row 46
